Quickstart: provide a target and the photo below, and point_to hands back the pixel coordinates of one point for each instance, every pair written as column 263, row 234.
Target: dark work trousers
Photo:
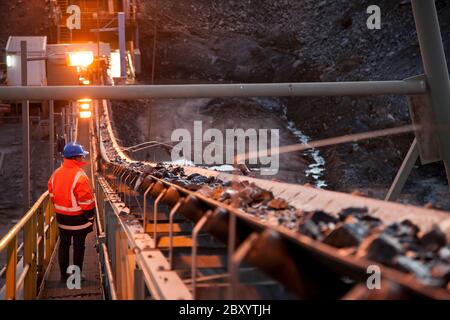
column 66, row 236
column 65, row 240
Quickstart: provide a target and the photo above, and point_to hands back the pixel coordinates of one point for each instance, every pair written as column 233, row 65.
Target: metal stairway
column 65, row 34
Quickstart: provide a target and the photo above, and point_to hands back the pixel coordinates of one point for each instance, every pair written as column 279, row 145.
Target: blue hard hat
column 74, row 149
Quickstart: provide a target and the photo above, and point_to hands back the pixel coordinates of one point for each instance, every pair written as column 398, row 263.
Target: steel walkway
column 91, row 288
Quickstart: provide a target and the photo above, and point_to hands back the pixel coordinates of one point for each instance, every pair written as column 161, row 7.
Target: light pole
column 25, row 129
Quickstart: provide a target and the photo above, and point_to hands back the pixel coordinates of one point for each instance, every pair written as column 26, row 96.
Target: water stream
column 316, row 169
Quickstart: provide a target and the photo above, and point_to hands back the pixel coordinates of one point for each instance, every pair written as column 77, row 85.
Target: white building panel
column 36, row 47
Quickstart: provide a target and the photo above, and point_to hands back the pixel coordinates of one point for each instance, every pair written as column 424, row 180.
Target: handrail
column 39, row 240
column 19, row 225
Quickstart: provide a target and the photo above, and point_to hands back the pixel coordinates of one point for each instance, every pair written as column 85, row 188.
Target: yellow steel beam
column 12, row 233
column 11, row 268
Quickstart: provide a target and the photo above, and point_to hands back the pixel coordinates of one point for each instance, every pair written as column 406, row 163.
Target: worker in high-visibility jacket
column 74, row 204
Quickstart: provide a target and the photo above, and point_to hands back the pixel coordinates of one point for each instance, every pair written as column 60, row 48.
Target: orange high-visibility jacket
column 70, row 190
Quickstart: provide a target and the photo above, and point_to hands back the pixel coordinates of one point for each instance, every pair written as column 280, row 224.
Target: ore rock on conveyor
column 401, row 245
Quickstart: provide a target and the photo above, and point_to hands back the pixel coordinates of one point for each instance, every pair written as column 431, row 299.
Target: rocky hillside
column 16, row 15
column 290, row 40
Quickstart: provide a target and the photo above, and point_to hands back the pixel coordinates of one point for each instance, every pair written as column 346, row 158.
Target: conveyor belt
column 308, row 268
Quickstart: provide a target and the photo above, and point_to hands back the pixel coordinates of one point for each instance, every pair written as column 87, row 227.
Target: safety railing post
column 41, row 242
column 28, row 236
column 144, row 223
column 197, row 228
column 102, row 208
column 116, row 178
column 34, row 250
column 101, row 205
column 117, row 261
column 47, row 236
column 231, row 248
column 110, row 231
column 155, row 216
column 11, row 269
column 236, row 261
column 53, row 228
column 171, row 215
column 127, row 191
column 125, row 188
column 109, row 275
column 121, row 184
column 96, row 190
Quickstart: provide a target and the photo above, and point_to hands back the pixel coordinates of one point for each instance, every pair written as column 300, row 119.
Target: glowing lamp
column 80, row 58
column 85, row 106
column 85, row 114
column 9, row 61
column 84, row 100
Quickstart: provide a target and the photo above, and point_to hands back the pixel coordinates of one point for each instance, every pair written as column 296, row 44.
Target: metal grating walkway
column 90, row 288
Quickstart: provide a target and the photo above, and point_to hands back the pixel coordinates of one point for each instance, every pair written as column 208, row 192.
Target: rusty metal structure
column 96, row 18
column 159, row 239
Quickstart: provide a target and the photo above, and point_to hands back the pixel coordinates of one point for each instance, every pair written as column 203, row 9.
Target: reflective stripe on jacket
column 70, row 190
column 74, row 223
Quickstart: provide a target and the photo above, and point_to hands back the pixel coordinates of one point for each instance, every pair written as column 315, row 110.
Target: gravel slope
column 287, row 40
